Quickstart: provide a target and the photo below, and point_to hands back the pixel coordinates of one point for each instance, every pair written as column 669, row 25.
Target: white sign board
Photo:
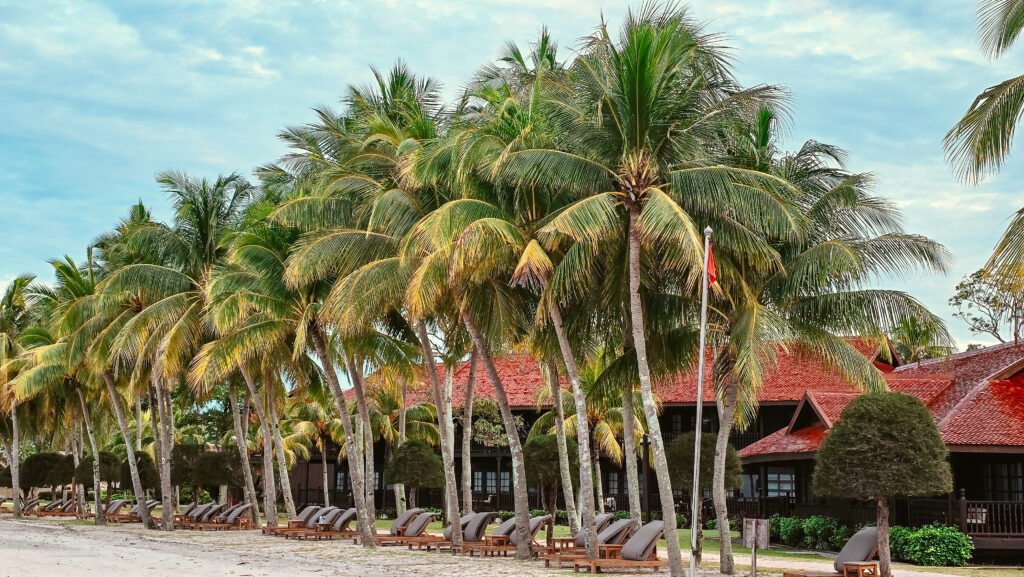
column 755, row 533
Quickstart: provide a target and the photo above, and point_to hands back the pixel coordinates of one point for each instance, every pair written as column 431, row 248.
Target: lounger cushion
column 860, row 547
column 505, row 528
column 419, row 524
column 238, row 512
column 640, row 545
column 463, row 522
column 404, row 519
column 308, row 512
column 326, row 513
column 535, row 525
column 477, row 527
column 619, row 525
column 344, row 520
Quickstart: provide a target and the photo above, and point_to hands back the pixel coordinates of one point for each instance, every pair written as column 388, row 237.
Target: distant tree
column 62, row 472
column 991, row 302
column 5, row 477
column 35, row 470
column 217, row 468
column 543, row 470
column 679, row 452
column 110, row 471
column 918, row 339
column 148, row 473
column 415, row 465
column 183, row 461
column 885, row 446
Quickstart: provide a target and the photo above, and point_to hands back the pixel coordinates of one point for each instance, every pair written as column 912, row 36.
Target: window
column 478, row 481
column 640, row 482
column 677, row 423
column 1004, row 481
column 492, row 482
column 377, row 480
column 506, row 481
column 780, row 481
column 340, row 480
column 613, row 483
column 750, row 487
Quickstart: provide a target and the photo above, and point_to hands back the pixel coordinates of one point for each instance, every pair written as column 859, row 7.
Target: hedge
column 933, row 545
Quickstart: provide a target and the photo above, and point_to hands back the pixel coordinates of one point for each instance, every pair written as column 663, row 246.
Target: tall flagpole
column 695, row 495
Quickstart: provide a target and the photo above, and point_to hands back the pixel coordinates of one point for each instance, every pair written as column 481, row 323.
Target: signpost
column 755, row 536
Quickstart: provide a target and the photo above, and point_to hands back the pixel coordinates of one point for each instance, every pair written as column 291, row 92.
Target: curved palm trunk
column 282, row 461
column 100, row 519
column 451, row 491
column 598, row 483
column 727, row 417
column 356, row 370
column 399, row 488
column 163, row 448
column 467, row 437
column 519, row 488
column 365, row 521
column 138, row 422
column 15, row 453
column 586, row 501
column 269, row 485
column 241, row 441
column 563, row 451
column 675, row 558
column 79, row 487
column 133, row 466
column 629, row 456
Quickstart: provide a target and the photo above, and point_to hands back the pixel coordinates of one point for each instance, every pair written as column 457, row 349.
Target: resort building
column 977, row 399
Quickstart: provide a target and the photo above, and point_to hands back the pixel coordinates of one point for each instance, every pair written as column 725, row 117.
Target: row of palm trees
column 556, row 207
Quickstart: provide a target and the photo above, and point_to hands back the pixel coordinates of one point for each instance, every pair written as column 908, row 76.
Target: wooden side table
column 610, row 551
column 559, row 543
column 493, row 540
column 860, row 569
column 323, row 527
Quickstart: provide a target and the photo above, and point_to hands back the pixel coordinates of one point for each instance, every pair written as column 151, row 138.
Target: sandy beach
column 51, row 548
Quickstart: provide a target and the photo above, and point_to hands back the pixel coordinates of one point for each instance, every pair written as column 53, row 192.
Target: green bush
column 933, row 545
column 620, row 515
column 791, row 531
column 775, row 527
column 819, row 531
column 506, row 515
column 839, row 537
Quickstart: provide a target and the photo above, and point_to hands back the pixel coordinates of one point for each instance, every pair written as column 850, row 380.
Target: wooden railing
column 992, row 518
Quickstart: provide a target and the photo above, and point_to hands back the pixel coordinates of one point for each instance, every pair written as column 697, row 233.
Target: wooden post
column 963, row 510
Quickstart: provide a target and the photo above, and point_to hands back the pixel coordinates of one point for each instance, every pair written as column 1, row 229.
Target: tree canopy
column 680, row 462
column 415, row 464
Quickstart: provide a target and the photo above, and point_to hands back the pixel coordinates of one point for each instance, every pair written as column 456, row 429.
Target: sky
column 97, row 97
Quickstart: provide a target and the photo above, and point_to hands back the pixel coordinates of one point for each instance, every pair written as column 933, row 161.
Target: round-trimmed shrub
column 933, row 545
column 819, row 531
column 791, row 531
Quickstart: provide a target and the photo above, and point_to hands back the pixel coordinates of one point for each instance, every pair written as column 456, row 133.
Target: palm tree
column 162, row 338
column 917, row 339
column 979, row 143
column 316, row 420
column 14, row 318
column 816, row 293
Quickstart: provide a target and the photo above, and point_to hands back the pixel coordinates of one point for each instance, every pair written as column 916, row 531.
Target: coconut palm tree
column 315, row 420
column 14, row 319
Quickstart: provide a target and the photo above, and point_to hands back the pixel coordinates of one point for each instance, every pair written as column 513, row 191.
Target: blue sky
column 97, row 97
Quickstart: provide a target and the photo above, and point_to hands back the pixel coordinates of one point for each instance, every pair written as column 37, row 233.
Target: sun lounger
column 297, row 523
column 414, row 531
column 66, row 510
column 398, row 526
column 134, row 515
column 232, row 518
column 507, row 544
column 564, row 545
column 473, row 528
column 339, row 528
column 321, row 519
column 614, row 534
column 502, row 530
column 187, row 513
column 204, row 514
column 310, row 523
column 639, row 552
column 28, row 506
column 49, row 507
column 860, row 548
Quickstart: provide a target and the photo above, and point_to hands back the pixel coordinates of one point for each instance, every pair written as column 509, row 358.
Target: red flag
column 712, row 276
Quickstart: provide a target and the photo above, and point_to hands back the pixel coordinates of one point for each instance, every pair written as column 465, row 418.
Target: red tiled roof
column 991, row 415
column 925, row 387
column 805, row 440
column 830, row 405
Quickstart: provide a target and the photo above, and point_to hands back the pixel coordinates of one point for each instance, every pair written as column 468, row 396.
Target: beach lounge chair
column 414, row 531
column 28, row 506
column 202, row 515
column 66, row 510
column 601, row 521
column 310, row 524
column 298, row 522
column 330, row 516
column 188, row 512
column 49, row 507
column 398, row 526
column 339, row 528
column 502, row 530
column 232, row 518
column 639, row 552
column 507, row 544
column 134, row 515
column 614, row 534
column 472, row 532
column 861, row 548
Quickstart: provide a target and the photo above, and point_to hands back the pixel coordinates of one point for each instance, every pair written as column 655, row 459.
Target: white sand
column 54, row 548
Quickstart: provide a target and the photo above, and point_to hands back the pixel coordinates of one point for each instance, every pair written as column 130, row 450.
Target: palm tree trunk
column 79, row 449
column 727, row 417
column 467, row 436
column 519, row 488
column 323, row 468
column 365, row 521
column 269, row 485
column 675, row 558
column 15, row 453
column 399, row 487
column 163, row 449
column 133, row 466
column 100, row 519
column 242, row 442
column 629, row 455
column 598, row 483
column 563, row 451
column 882, row 522
column 282, row 461
column 586, row 500
column 451, row 490
column 138, row 422
column 356, row 371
